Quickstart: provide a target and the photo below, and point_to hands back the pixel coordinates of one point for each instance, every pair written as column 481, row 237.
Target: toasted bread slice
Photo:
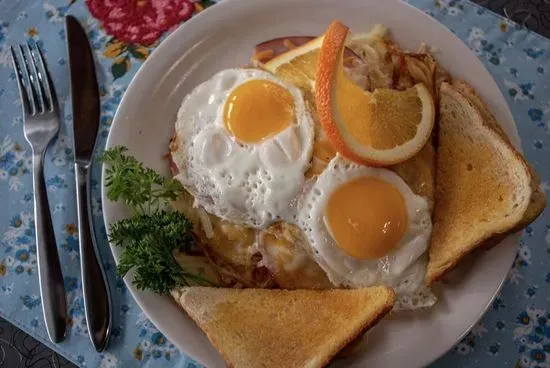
column 283, row 328
column 538, row 199
column 483, row 185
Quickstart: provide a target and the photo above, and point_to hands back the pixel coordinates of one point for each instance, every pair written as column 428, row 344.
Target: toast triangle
column 483, row 184
column 283, row 328
column 538, row 198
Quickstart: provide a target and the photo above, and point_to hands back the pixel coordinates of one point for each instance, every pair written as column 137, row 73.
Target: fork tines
column 33, row 79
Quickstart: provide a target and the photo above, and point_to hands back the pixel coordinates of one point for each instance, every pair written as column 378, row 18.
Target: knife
column 85, row 100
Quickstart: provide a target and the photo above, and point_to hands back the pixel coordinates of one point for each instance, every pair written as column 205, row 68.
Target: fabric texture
column 514, row 332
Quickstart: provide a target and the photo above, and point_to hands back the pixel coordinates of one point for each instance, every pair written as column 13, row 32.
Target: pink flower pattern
column 140, row 21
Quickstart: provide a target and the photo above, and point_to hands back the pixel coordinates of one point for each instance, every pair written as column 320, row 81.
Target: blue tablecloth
column 515, row 331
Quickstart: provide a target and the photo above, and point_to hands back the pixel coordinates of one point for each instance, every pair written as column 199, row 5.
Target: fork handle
column 97, row 302
column 50, row 278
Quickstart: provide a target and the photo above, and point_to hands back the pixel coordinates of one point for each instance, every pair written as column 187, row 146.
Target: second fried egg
column 245, row 140
column 366, row 227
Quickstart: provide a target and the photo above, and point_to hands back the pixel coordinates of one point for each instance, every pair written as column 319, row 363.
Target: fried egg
column 366, row 227
column 245, row 140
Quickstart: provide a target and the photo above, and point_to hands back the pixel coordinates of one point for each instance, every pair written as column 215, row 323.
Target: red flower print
column 140, row 21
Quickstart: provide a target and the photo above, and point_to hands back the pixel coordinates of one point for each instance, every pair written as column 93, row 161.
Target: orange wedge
column 298, row 67
column 379, row 128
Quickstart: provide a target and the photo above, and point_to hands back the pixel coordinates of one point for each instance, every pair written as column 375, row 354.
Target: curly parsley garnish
column 153, row 233
column 141, row 188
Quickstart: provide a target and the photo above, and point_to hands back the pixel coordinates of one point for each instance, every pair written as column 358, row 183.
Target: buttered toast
column 283, row 328
column 484, row 187
column 538, row 198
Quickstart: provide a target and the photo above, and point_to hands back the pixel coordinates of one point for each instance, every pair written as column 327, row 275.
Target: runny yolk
column 258, row 109
column 366, row 217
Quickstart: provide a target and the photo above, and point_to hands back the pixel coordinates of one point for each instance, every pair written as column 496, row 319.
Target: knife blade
column 86, row 111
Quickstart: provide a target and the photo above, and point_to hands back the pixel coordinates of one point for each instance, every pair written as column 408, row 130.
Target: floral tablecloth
column 515, row 331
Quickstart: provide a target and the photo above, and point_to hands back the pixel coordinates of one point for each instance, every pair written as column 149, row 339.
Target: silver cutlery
column 41, row 124
column 85, row 102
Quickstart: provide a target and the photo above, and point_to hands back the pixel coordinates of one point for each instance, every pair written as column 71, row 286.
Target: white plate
column 223, row 37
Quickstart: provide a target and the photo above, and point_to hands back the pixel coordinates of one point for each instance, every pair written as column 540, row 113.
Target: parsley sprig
column 152, row 234
column 141, row 188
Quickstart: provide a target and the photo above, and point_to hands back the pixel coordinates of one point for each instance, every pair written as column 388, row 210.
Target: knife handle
column 97, row 301
column 50, row 277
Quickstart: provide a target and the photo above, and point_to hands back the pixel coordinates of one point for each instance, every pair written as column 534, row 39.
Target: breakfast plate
column 222, row 38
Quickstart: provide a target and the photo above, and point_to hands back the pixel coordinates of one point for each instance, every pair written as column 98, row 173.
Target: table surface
column 17, row 349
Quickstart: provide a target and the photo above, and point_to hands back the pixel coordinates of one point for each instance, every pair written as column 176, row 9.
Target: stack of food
column 337, row 174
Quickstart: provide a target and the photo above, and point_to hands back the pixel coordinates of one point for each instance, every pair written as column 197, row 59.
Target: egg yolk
column 366, row 217
column 258, row 109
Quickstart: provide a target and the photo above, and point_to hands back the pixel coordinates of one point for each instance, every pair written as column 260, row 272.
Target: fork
column 41, row 124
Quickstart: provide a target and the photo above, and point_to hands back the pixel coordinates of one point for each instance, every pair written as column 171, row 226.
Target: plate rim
column 221, row 7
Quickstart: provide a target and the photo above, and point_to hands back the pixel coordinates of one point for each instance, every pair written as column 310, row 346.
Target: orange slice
column 383, row 127
column 298, row 66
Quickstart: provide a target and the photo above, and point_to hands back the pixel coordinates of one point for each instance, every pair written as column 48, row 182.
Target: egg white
column 403, row 268
column 247, row 184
